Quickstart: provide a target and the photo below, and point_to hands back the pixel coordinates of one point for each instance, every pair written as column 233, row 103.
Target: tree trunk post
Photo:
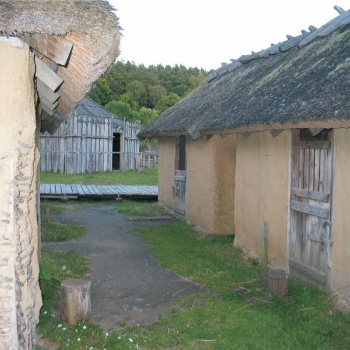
column 75, row 300
column 277, row 282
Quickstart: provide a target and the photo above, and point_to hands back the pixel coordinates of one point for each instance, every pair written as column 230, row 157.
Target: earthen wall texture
column 20, row 298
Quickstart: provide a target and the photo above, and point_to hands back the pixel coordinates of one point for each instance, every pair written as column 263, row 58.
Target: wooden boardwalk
column 97, row 191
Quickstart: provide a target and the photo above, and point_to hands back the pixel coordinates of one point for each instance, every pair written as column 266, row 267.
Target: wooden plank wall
column 80, row 144
column 131, row 145
column 85, row 144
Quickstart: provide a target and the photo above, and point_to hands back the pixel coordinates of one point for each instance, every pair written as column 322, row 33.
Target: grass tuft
column 148, row 177
column 140, row 208
column 56, row 232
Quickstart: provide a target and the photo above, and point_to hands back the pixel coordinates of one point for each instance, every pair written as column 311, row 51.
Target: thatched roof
column 77, row 40
column 303, row 82
column 87, row 108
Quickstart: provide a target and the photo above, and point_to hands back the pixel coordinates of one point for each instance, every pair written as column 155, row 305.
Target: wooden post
column 264, row 250
column 75, row 300
column 277, row 282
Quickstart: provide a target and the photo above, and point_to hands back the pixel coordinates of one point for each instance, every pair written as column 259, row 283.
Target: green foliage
column 57, row 232
column 141, row 86
column 167, row 101
column 121, row 109
column 101, row 93
column 56, row 266
column 148, row 177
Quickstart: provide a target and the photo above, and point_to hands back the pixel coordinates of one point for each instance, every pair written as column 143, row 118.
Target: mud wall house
column 51, row 53
column 263, row 146
column 90, row 139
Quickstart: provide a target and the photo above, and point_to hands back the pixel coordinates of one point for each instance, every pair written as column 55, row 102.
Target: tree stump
column 75, row 300
column 277, row 281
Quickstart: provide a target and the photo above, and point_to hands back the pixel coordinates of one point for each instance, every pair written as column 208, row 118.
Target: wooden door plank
column 306, row 270
column 309, row 209
column 311, row 145
column 314, row 195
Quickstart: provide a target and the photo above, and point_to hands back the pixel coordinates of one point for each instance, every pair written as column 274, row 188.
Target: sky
column 207, row 33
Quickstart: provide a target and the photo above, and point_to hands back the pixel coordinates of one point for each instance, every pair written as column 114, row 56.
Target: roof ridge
column 301, row 40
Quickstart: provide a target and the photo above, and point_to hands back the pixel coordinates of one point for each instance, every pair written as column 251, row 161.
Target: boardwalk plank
column 101, row 191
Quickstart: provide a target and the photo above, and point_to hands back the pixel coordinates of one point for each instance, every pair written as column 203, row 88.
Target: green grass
column 232, row 310
column 149, row 177
column 140, row 208
column 56, row 266
column 56, row 232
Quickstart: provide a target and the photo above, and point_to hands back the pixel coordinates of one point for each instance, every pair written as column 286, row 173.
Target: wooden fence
column 85, row 144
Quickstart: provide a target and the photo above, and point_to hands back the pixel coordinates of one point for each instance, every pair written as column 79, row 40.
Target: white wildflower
column 78, row 339
column 59, row 325
column 45, row 312
column 84, row 327
column 64, row 328
column 130, row 340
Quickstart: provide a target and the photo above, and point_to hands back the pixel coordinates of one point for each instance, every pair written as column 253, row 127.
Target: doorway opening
column 116, row 151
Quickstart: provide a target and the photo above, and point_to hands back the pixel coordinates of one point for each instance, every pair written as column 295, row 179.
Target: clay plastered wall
column 20, row 298
column 210, row 183
column 262, row 194
column 166, row 170
column 341, row 219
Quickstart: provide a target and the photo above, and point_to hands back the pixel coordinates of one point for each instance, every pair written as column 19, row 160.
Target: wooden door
column 179, row 188
column 311, row 198
column 180, row 191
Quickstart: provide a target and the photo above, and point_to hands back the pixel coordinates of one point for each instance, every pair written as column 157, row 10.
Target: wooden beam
column 310, row 209
column 308, row 271
column 46, row 75
column 312, row 144
column 48, row 109
column 314, row 195
column 45, row 91
column 47, row 103
column 55, row 48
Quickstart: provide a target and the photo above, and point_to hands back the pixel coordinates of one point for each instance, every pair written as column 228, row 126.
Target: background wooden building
column 90, row 139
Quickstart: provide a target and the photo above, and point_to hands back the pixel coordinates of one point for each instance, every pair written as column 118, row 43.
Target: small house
column 90, row 139
column 262, row 148
column 51, row 53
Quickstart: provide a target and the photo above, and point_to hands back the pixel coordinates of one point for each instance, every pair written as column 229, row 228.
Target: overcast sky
column 205, row 33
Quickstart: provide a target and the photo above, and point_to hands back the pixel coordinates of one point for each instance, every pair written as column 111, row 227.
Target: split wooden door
column 311, row 206
column 179, row 188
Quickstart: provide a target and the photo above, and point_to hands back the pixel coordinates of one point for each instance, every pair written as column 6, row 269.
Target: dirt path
column 128, row 286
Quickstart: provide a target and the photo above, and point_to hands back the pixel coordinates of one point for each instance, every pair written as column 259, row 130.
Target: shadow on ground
column 128, row 285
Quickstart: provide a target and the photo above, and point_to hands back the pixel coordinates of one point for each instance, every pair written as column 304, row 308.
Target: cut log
column 75, row 300
column 277, row 282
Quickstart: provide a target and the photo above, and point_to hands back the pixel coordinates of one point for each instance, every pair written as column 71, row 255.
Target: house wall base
column 340, row 254
column 262, row 195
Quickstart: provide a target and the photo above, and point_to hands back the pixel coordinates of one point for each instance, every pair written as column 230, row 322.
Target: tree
column 103, row 92
column 136, row 93
column 167, row 101
column 156, row 92
column 120, row 109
